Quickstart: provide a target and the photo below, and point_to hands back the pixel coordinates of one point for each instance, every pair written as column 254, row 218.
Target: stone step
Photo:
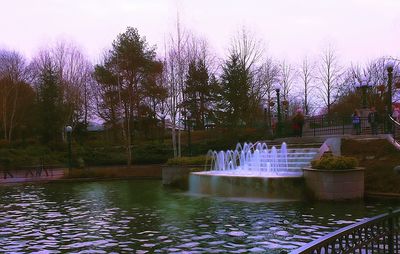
column 288, row 157
column 276, row 168
column 291, row 165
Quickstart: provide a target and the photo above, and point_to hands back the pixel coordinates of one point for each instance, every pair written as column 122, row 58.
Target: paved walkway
column 31, row 175
column 35, row 174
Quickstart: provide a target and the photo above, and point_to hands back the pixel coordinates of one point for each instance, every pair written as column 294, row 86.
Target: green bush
column 196, row 160
column 335, row 163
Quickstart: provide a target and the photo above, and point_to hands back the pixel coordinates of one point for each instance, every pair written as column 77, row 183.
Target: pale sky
column 360, row 30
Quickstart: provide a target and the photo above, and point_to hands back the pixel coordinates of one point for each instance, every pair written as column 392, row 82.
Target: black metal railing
column 380, row 234
column 396, row 130
column 324, row 125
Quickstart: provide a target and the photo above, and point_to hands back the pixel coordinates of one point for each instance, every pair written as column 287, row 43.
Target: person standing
column 356, row 120
column 373, row 120
column 298, row 122
column 396, row 114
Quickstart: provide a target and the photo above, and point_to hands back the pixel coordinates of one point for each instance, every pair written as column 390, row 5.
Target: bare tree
column 182, row 49
column 176, row 65
column 329, row 75
column 373, row 75
column 287, row 77
column 306, row 75
column 13, row 72
column 267, row 75
column 74, row 71
column 248, row 48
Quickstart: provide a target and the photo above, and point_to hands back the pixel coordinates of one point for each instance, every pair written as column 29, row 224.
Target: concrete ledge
column 178, row 176
column 148, row 171
column 248, row 187
column 335, row 184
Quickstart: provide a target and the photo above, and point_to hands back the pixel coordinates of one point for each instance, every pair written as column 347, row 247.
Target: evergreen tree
column 235, row 89
column 130, row 62
column 50, row 106
column 198, row 93
column 107, row 100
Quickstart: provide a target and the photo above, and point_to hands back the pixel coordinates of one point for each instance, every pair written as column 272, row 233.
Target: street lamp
column 363, row 86
column 163, row 115
column 68, row 130
column 389, row 68
column 189, row 124
column 278, row 89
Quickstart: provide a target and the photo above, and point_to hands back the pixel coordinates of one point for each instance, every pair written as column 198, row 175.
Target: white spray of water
column 249, row 159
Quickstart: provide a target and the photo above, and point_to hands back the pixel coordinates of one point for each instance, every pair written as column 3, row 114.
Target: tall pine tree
column 50, row 105
column 234, row 94
column 199, row 92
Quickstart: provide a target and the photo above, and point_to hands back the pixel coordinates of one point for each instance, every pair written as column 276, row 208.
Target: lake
column 141, row 216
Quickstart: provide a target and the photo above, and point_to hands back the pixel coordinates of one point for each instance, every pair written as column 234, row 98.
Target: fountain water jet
column 251, row 160
column 251, row 170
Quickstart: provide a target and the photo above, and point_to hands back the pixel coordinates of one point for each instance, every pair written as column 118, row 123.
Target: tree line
column 136, row 91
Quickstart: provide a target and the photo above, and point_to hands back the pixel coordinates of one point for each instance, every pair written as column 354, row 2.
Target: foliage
column 140, row 97
column 130, row 86
column 234, row 94
column 199, row 93
column 14, row 157
column 335, row 163
column 183, row 161
column 50, row 105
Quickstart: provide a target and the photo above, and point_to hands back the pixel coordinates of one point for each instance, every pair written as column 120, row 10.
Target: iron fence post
column 322, row 121
column 314, row 125
column 390, row 233
column 343, row 119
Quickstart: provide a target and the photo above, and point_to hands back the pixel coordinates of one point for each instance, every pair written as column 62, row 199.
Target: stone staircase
column 300, row 153
column 297, row 158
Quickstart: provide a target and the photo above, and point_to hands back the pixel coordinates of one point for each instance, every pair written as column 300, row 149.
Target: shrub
column 196, row 160
column 335, row 163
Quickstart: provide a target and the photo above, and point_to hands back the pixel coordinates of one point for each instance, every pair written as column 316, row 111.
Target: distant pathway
column 31, row 175
column 38, row 174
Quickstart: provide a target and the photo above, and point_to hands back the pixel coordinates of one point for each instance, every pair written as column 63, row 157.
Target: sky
column 359, row 30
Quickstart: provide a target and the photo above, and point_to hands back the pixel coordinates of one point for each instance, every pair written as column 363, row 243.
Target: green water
column 140, row 216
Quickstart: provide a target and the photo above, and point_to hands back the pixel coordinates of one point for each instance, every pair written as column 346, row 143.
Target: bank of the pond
column 22, row 175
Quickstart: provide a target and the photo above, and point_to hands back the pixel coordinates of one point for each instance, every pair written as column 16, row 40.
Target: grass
column 378, row 157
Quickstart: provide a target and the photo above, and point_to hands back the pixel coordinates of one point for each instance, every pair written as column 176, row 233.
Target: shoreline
column 151, row 171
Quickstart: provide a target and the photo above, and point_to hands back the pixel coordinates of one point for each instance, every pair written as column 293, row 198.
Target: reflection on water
column 141, row 216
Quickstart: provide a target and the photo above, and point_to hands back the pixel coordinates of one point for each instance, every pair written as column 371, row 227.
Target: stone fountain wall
column 250, row 187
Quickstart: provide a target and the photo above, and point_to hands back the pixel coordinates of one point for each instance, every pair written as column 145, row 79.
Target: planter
column 178, row 176
column 335, row 184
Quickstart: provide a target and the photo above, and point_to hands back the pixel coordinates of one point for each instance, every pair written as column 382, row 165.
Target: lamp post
column 277, row 90
column 389, row 68
column 189, row 124
column 68, row 130
column 363, row 86
column 163, row 114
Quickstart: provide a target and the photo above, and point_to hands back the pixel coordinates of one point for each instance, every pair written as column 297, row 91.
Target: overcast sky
column 359, row 29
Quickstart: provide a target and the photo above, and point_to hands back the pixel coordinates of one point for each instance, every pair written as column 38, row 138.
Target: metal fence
column 325, row 125
column 380, row 234
column 396, row 130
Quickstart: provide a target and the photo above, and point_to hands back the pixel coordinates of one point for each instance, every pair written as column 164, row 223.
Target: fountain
column 253, row 170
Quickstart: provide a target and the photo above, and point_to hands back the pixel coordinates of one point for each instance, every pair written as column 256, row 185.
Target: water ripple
column 142, row 217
